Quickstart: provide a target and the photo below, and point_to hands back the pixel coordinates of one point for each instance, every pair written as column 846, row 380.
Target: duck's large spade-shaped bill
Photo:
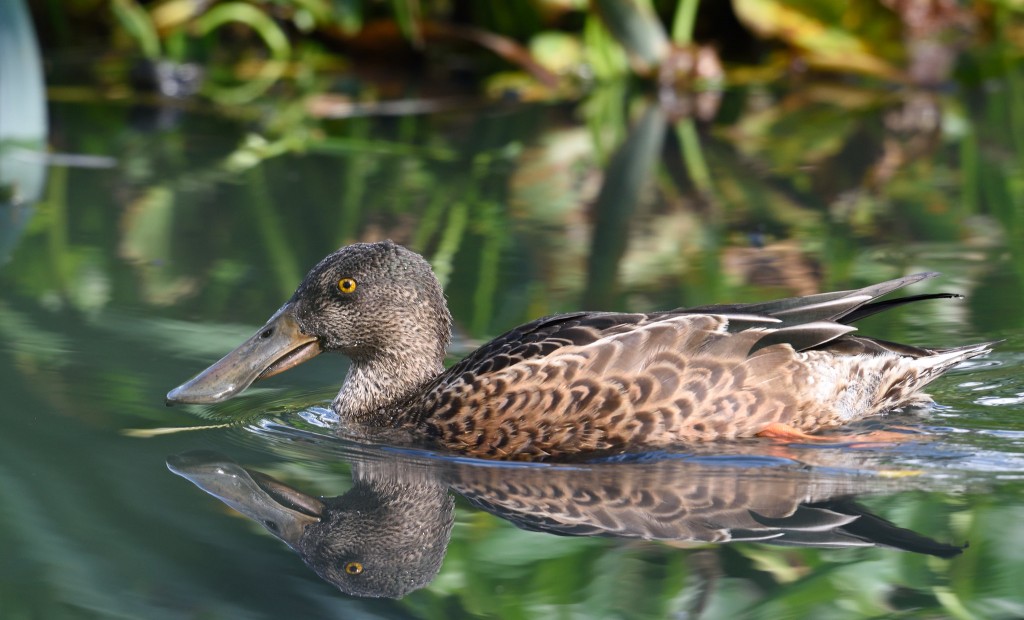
column 276, row 347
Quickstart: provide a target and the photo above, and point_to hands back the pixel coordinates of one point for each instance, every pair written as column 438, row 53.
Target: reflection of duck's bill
column 277, row 346
column 285, row 512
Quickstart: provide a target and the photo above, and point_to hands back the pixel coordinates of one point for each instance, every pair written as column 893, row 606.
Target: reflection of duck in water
column 388, row 534
column 584, row 381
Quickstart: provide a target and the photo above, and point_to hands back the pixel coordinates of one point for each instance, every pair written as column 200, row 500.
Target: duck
column 387, row 535
column 587, row 382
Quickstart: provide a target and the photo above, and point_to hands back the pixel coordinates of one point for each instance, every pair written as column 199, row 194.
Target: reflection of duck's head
column 383, row 538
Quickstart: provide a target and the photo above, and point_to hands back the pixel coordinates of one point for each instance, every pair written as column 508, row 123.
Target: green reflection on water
column 126, row 280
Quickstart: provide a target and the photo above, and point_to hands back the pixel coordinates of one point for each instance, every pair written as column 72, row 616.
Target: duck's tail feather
column 941, row 360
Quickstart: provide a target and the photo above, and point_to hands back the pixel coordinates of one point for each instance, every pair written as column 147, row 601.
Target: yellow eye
column 347, row 285
column 353, row 568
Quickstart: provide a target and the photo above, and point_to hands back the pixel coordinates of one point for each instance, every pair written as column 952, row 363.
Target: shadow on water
column 387, row 535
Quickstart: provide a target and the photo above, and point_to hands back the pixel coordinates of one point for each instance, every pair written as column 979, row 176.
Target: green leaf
column 137, row 22
column 824, row 46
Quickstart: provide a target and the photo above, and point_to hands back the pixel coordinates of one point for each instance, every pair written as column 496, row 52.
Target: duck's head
column 385, row 537
column 378, row 303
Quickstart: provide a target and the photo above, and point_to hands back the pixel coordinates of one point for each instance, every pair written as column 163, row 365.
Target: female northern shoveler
column 583, row 381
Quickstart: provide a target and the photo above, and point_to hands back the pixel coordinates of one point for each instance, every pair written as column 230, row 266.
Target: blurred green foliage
column 557, row 48
column 612, row 192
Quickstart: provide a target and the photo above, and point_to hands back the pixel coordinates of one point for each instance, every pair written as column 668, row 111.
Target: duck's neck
column 377, row 385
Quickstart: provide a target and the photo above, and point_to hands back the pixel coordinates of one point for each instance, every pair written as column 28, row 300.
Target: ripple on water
column 946, row 456
column 1000, row 401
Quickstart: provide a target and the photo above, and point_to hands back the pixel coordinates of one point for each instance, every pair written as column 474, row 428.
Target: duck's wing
column 804, row 322
column 582, row 388
column 542, row 337
column 839, row 306
column 800, row 318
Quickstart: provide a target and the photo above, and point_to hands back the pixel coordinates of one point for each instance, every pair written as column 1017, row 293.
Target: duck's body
column 596, row 382
column 586, row 381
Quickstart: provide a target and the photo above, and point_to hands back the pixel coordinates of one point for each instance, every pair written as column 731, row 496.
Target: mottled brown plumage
column 691, row 501
column 586, row 381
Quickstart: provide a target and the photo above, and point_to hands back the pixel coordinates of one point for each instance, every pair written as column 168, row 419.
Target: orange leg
column 784, row 432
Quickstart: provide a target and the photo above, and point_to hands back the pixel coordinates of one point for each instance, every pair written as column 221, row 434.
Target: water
column 122, row 281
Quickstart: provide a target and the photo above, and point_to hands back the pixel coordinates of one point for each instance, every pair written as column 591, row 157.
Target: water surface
column 123, row 280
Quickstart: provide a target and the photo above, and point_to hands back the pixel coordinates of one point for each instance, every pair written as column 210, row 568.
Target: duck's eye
column 353, row 568
column 347, row 285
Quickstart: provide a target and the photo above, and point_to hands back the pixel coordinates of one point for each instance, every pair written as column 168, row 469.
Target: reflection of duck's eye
column 347, row 285
column 353, row 568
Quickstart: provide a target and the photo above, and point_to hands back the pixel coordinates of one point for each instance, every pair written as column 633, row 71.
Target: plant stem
column 682, row 25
